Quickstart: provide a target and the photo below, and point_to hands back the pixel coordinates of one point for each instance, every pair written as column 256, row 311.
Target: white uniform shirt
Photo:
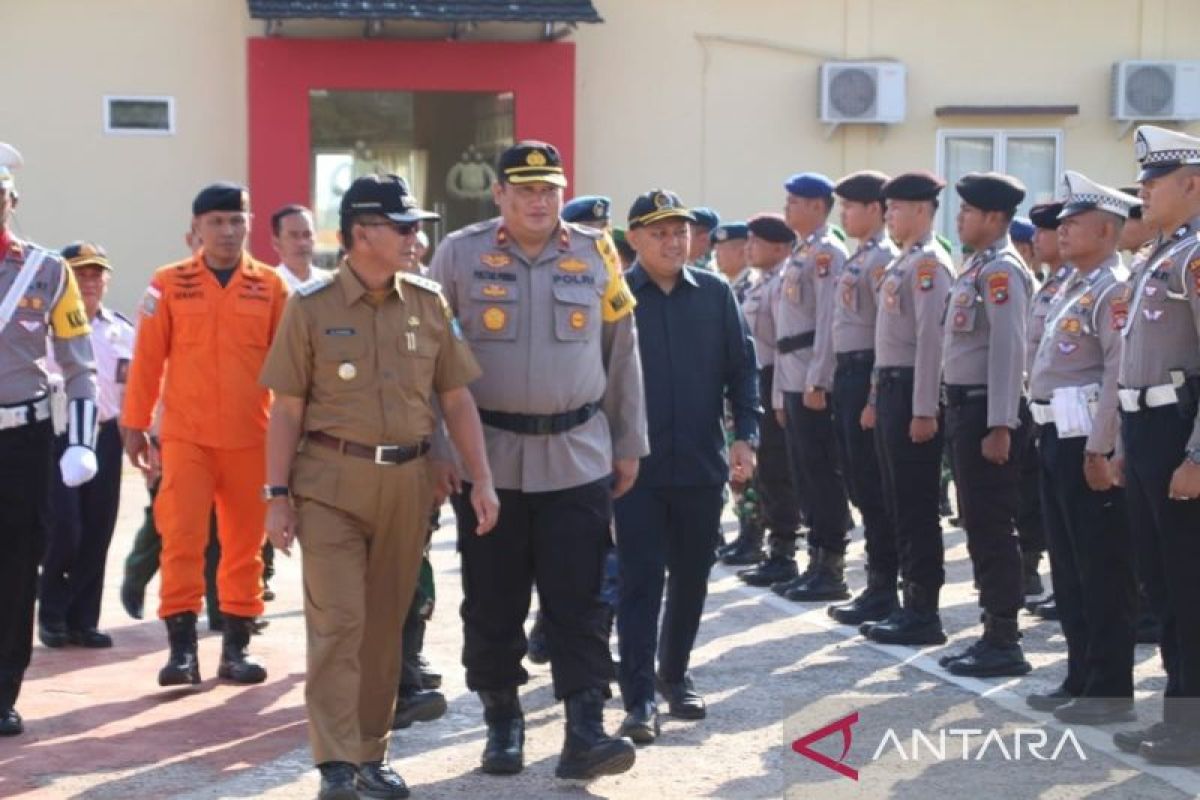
column 316, row 276
column 112, row 345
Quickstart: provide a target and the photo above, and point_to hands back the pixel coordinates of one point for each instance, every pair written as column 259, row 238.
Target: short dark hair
column 286, row 211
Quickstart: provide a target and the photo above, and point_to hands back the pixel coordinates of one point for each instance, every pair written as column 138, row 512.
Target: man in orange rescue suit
column 203, row 331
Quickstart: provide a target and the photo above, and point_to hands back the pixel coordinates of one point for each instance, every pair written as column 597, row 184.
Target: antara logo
column 939, row 745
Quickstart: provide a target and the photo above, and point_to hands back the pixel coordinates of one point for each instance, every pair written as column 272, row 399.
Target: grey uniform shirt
column 804, row 305
column 50, row 312
column 986, row 317
column 1082, row 345
column 1163, row 331
column 855, row 302
column 908, row 325
column 551, row 334
column 757, row 309
column 1039, row 306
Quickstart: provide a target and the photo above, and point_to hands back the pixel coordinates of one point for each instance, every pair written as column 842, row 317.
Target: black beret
column 991, row 191
column 531, row 161
column 862, row 187
column 655, row 205
column 221, row 196
column 771, row 228
column 919, row 185
column 1045, row 215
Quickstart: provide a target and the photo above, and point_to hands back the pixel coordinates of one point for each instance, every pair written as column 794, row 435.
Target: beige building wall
column 717, row 99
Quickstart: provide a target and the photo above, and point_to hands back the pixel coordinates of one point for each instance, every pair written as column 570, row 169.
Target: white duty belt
column 1133, row 400
column 25, row 413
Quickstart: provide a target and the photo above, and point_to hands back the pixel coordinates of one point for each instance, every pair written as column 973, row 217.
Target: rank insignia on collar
column 496, row 260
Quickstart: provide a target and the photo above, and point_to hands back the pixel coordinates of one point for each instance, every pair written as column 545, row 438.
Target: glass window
column 1034, row 157
column 139, row 115
column 443, row 143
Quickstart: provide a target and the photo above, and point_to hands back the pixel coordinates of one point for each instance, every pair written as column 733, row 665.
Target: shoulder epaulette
column 475, row 228
column 428, row 284
column 583, row 230
column 315, row 286
column 121, row 316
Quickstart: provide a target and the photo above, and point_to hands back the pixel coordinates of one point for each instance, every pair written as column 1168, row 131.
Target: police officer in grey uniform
column 548, row 314
column 769, row 246
column 987, row 422
column 40, row 306
column 1073, row 399
column 804, row 378
column 1159, row 396
column 1030, row 530
column 854, row 312
column 904, row 408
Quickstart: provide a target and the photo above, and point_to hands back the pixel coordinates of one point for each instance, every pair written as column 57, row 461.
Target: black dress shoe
column 415, row 705
column 641, row 723
column 337, row 781
column 1049, row 701
column 53, row 634
column 1131, row 741
column 1180, row 748
column 1096, row 710
column 11, row 723
column 133, row 599
column 378, row 779
column 90, row 638
column 683, row 700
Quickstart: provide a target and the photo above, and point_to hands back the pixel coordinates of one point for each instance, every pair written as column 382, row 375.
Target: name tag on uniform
column 340, row 332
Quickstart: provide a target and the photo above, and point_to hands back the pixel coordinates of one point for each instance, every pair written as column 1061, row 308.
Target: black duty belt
column 957, row 395
column 539, row 424
column 790, row 344
column 855, row 357
column 889, row 374
column 380, row 454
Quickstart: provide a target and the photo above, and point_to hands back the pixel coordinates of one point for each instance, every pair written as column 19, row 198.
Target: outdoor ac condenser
column 862, row 92
column 1156, row 90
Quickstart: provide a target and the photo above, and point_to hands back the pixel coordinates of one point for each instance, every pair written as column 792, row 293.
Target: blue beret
column 730, row 231
column 1021, row 230
column 706, row 217
column 222, row 196
column 809, row 184
column 588, row 208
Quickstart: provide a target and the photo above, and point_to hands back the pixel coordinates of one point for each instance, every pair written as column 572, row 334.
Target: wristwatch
column 270, row 492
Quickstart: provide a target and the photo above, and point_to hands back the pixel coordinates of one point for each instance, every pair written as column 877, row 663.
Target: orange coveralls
column 202, row 346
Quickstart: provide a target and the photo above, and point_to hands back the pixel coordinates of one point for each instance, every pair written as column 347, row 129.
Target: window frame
column 1000, row 137
column 109, row 130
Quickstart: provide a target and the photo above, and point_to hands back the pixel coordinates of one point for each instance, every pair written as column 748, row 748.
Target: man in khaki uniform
column 904, row 408
column 987, row 423
column 1159, row 396
column 1073, row 392
column 549, row 316
column 354, row 367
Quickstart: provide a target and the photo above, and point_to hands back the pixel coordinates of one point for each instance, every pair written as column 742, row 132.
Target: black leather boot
column 775, row 569
column 588, row 752
column 805, row 575
column 917, row 623
column 997, row 653
column 236, row 665
column 746, row 549
column 1029, row 571
column 504, row 753
column 183, row 665
column 874, row 603
column 828, row 581
column 414, row 704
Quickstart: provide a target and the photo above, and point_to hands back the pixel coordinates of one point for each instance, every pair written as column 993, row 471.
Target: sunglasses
column 402, row 228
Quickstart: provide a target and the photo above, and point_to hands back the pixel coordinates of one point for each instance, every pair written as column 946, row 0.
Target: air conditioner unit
column 1150, row 90
column 862, row 92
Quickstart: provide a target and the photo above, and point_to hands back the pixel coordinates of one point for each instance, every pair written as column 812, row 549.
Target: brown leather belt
column 382, row 454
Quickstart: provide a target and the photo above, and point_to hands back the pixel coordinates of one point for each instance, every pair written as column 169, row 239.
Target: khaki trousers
column 361, row 530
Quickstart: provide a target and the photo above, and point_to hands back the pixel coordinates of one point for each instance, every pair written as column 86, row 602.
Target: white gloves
column 78, row 465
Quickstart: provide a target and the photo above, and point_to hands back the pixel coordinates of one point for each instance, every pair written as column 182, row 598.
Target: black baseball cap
column 387, row 195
